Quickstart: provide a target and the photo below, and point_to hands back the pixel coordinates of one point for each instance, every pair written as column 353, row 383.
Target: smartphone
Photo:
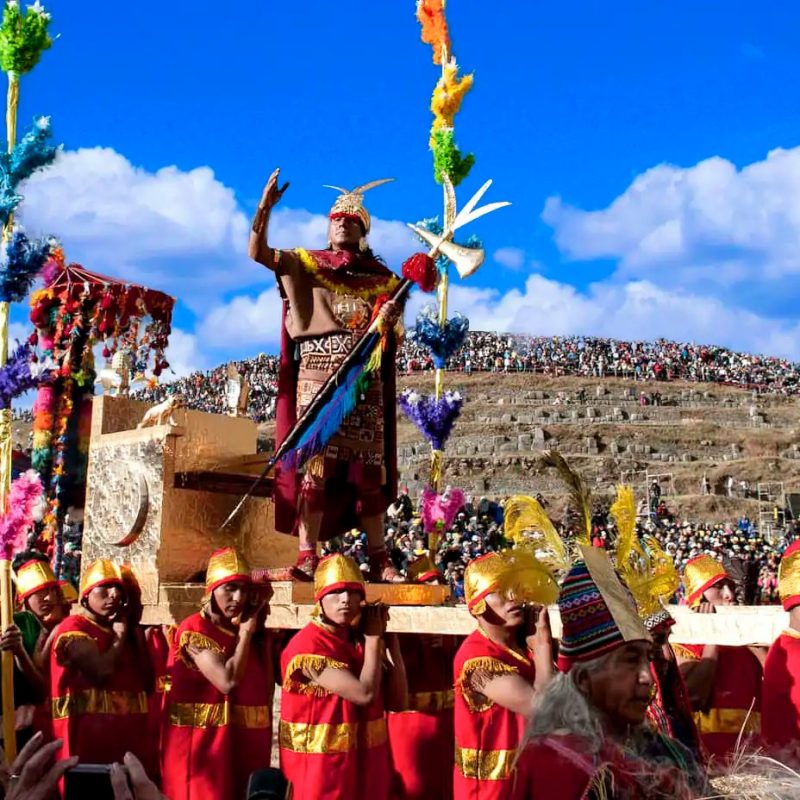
column 88, row 781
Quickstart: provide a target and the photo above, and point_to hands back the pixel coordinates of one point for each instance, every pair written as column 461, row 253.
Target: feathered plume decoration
column 578, row 493
column 21, row 260
column 623, row 510
column 524, row 515
column 647, row 571
column 527, row 579
column 430, row 14
column 17, row 376
column 23, row 503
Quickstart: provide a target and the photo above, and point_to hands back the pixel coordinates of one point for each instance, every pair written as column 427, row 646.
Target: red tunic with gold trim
column 487, row 735
column 330, row 748
column 212, row 741
column 737, row 687
column 158, row 645
column 421, row 740
column 780, row 703
column 99, row 723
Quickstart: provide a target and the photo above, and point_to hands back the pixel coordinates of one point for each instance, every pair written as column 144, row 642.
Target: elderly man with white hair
column 588, row 738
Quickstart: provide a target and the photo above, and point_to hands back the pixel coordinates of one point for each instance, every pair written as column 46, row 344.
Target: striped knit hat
column 597, row 613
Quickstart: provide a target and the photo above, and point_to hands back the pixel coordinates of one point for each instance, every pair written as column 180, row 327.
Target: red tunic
column 487, row 735
column 330, row 748
column 780, row 702
column 421, row 740
column 561, row 766
column 737, row 688
column 99, row 723
column 212, row 741
column 158, row 645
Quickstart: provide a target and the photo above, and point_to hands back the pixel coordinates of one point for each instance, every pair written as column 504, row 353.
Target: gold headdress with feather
column 350, row 203
column 647, row 571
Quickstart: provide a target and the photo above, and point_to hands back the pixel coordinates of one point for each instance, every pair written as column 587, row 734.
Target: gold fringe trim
column 198, row 640
column 308, row 662
column 488, row 667
column 64, row 639
column 385, row 287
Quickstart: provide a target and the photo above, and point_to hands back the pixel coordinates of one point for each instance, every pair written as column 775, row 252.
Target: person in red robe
column 329, row 300
column 724, row 683
column 780, row 700
column 422, row 737
column 337, row 682
column 100, row 676
column 588, row 737
column 218, row 727
column 498, row 672
column 43, row 595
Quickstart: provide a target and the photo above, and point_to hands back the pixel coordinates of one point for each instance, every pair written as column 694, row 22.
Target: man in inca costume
column 329, row 299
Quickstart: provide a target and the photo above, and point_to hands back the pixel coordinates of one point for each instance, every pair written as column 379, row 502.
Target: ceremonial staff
column 23, row 39
column 338, row 395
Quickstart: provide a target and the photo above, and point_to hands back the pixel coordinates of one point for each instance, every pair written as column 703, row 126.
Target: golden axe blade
column 467, row 260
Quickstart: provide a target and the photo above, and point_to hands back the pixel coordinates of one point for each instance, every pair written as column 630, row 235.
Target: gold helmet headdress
column 350, row 203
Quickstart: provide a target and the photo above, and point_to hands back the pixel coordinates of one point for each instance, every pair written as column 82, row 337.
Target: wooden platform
column 739, row 625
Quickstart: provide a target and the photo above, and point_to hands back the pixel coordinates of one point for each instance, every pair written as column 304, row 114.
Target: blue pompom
column 443, row 341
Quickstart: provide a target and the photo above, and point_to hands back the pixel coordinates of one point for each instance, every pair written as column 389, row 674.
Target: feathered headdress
column 350, row 203
column 579, row 495
column 647, row 571
column 526, row 524
column 526, row 578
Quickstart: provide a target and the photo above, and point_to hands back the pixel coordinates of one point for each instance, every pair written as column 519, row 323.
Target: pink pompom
column 23, row 500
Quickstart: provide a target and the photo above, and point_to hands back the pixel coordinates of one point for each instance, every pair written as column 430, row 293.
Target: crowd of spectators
column 478, row 528
column 206, row 391
column 555, row 356
column 588, row 356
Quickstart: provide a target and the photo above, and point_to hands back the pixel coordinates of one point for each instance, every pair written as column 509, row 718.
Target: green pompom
column 447, row 158
column 23, row 38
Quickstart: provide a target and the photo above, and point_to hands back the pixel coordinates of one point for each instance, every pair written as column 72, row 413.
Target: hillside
column 696, row 431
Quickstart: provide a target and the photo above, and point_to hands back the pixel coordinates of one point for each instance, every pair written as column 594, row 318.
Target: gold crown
column 422, row 569
column 337, row 572
column 350, row 203
column 225, row 566
column 33, row 576
column 482, row 577
column 647, row 571
column 99, row 572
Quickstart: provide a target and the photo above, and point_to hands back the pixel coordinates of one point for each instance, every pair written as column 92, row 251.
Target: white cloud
column 510, row 257
column 184, row 355
column 244, row 322
column 710, row 223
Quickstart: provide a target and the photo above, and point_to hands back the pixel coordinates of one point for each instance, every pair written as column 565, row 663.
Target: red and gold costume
column 34, row 576
column 98, row 723
column 329, row 298
column 736, row 703
column 422, row 738
column 487, row 735
column 212, row 742
column 330, row 748
column 780, row 712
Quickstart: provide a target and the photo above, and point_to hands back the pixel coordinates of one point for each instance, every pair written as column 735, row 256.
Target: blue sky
column 633, row 140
